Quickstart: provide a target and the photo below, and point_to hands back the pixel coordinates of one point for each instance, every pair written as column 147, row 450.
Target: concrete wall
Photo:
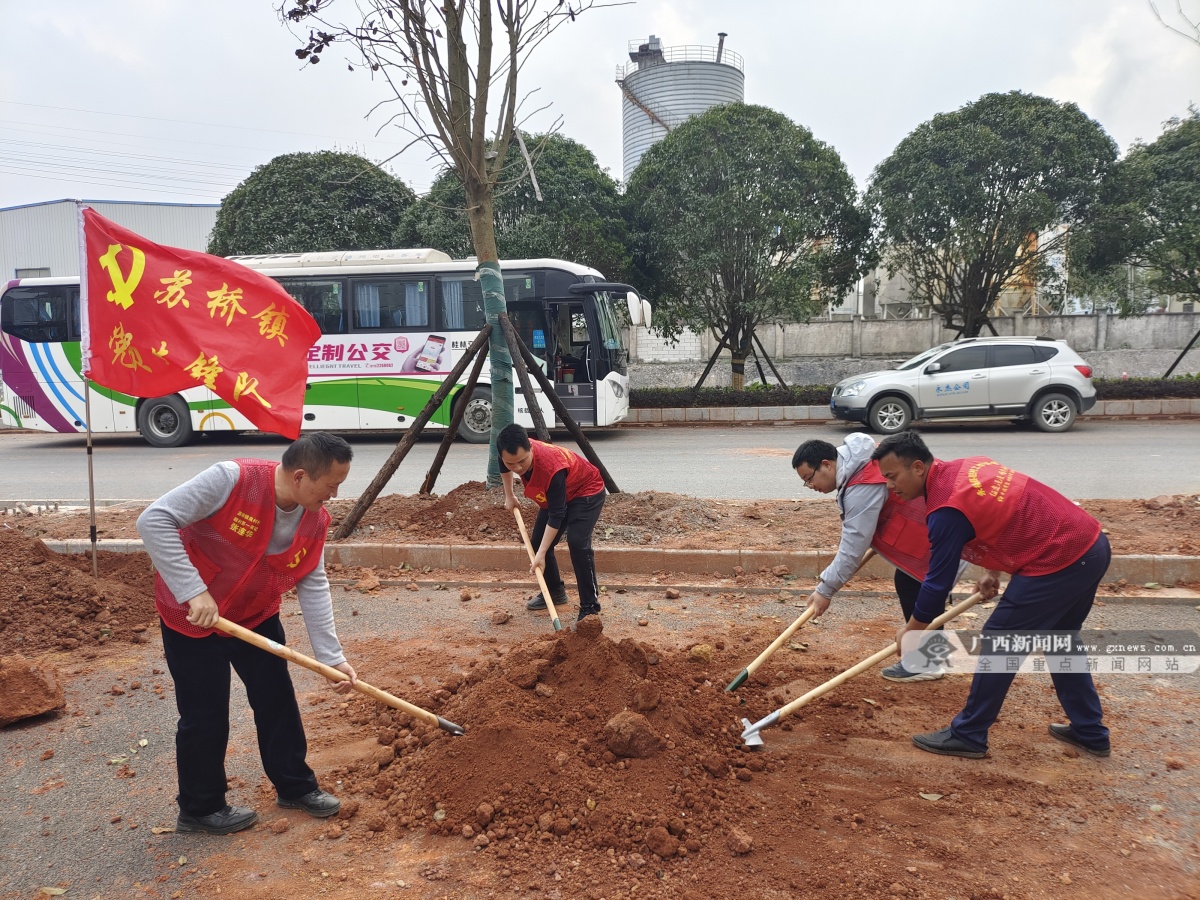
column 906, row 337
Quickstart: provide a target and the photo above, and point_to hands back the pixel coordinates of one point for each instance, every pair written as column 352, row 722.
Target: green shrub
column 1180, row 387
column 758, row 394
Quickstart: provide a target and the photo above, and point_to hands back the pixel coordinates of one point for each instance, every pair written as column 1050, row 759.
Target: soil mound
column 573, row 741
column 49, row 601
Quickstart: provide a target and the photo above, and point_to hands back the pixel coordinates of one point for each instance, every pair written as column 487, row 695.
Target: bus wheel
column 165, row 421
column 476, row 425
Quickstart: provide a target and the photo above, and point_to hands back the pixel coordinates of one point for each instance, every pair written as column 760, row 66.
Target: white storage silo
column 664, row 86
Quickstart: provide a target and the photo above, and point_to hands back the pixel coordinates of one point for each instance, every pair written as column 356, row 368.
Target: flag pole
column 87, row 421
column 85, row 366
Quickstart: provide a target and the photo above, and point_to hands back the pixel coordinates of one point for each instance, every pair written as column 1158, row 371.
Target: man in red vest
column 871, row 517
column 569, row 492
column 229, row 543
column 1004, row 521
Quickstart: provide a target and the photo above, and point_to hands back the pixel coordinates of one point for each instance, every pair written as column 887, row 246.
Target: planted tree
column 442, row 62
column 986, row 197
column 743, row 218
column 563, row 206
column 305, row 202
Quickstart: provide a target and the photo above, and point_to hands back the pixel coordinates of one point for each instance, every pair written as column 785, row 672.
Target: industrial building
column 39, row 240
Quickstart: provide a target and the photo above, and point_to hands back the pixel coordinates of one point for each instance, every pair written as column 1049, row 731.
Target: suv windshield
column 923, row 357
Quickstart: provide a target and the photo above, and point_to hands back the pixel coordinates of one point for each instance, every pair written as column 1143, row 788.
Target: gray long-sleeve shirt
column 200, row 498
column 859, row 505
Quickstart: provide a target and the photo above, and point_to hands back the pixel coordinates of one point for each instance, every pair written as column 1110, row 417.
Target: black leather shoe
column 315, row 803
column 537, row 601
column 1067, row 735
column 947, row 744
column 224, row 821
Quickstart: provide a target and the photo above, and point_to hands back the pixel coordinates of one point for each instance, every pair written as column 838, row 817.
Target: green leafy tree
column 578, row 217
column 742, row 218
column 978, row 199
column 1149, row 217
column 305, row 202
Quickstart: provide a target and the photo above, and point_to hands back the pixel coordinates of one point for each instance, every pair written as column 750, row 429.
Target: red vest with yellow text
column 900, row 535
column 1021, row 526
column 229, row 550
column 583, row 479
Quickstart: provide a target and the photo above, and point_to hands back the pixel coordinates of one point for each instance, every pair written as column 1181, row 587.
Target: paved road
column 1097, row 459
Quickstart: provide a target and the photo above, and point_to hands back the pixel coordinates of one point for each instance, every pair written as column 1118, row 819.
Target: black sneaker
column 590, row 611
column 1067, row 735
column 537, row 601
column 946, row 744
column 224, row 821
column 315, row 803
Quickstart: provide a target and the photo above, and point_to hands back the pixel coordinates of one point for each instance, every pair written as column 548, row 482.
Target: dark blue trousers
column 200, row 668
column 1059, row 601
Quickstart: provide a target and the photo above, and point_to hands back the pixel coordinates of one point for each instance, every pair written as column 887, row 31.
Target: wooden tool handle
column 537, row 571
column 875, row 659
column 253, row 637
column 804, row 617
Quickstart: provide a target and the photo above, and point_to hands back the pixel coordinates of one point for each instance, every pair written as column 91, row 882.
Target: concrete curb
column 1135, row 569
column 791, row 415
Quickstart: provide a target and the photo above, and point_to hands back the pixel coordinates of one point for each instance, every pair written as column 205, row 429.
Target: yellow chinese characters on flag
column 158, row 320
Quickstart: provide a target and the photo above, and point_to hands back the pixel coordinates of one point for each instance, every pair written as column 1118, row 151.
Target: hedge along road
column 1114, row 459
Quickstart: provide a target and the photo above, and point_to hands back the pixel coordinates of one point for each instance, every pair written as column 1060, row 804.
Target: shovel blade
column 751, row 735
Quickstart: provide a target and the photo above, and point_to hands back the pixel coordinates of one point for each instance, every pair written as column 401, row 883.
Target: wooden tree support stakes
column 460, row 410
column 561, row 410
column 346, row 528
column 535, row 408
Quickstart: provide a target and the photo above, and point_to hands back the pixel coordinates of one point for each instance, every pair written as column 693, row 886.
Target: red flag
column 157, row 320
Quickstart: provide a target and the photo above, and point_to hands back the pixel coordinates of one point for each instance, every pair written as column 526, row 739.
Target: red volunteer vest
column 1021, row 526
column 583, row 479
column 900, row 535
column 229, row 550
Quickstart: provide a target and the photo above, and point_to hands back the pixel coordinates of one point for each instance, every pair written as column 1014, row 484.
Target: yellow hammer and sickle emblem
column 296, row 559
column 123, row 288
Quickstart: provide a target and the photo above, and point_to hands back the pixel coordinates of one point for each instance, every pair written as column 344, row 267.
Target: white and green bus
column 393, row 323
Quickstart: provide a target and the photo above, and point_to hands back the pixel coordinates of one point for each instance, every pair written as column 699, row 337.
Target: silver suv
column 1036, row 379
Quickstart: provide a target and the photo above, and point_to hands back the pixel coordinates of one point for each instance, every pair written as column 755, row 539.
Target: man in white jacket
column 871, row 517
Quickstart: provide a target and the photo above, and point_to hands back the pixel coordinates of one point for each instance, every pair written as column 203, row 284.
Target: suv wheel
column 1053, row 412
column 889, row 415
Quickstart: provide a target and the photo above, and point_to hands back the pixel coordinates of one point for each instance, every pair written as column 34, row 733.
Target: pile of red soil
column 602, row 749
column 50, row 601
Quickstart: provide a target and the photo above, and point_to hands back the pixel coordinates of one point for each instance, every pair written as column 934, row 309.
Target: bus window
column 462, row 298
column 529, row 321
column 323, row 300
column 39, row 315
column 390, row 305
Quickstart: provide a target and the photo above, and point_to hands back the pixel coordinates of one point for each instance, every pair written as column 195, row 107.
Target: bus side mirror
column 639, row 309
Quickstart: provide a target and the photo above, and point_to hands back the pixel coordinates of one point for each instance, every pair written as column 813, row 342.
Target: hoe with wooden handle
column 787, row 633
column 751, row 733
column 541, row 579
column 253, row 637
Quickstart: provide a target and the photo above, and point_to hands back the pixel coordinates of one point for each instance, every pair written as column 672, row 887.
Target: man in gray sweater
column 229, row 543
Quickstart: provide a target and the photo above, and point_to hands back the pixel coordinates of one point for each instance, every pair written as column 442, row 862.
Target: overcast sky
column 167, row 100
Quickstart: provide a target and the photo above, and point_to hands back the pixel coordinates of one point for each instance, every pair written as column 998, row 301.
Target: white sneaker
column 897, row 672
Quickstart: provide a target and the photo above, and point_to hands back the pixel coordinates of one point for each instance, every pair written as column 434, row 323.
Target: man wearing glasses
column 871, row 517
